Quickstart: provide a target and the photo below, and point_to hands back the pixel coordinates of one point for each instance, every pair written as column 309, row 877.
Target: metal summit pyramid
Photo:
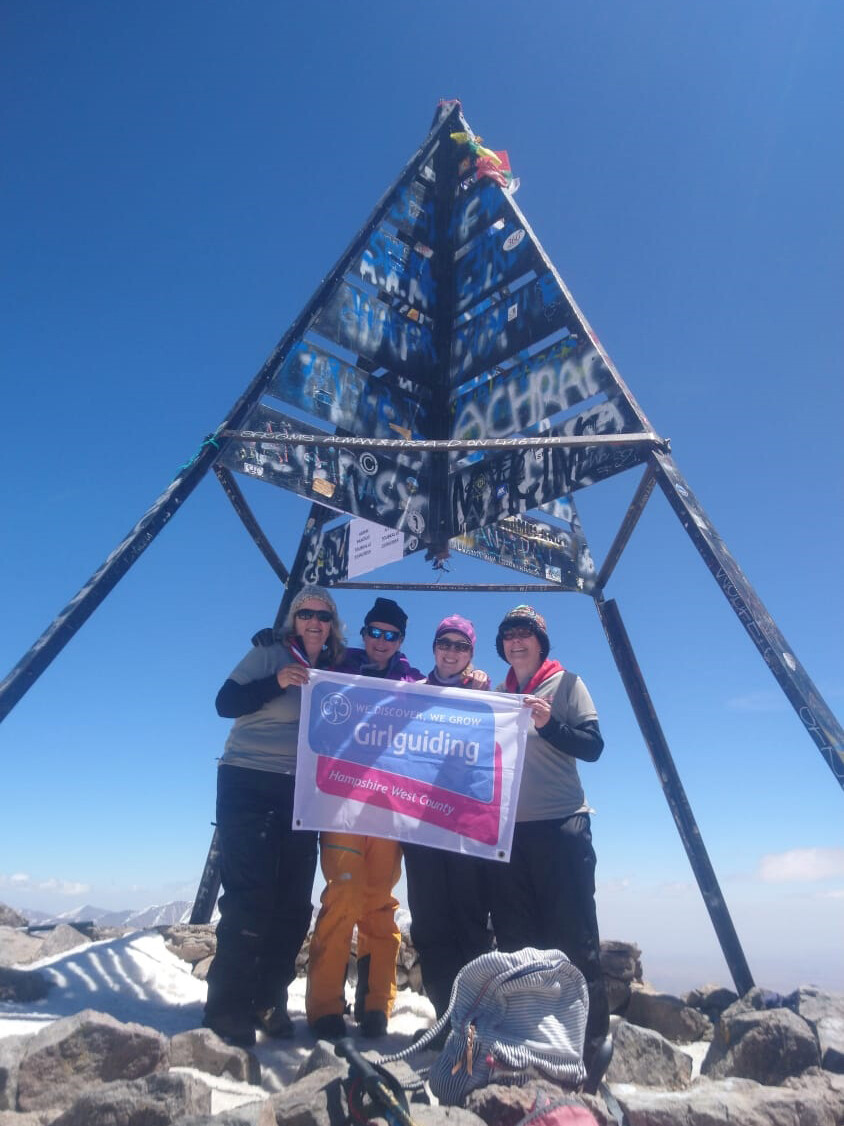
column 449, row 396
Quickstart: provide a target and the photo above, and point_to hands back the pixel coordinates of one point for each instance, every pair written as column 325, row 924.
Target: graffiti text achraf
column 330, row 389
column 568, row 372
column 365, row 325
column 527, row 316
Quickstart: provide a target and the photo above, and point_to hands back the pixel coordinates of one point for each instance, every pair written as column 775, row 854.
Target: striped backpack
column 513, row 1017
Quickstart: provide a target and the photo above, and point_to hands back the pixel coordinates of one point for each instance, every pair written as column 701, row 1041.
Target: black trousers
column 449, row 906
column 267, row 872
column 545, row 897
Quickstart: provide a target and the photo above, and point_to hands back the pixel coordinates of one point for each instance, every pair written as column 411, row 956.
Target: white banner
column 413, row 762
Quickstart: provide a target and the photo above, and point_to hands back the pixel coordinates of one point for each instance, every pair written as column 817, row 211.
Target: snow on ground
column 137, row 979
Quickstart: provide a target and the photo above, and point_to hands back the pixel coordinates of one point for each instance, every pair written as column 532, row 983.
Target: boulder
column 323, row 1058
column 12, row 1118
column 622, row 965
column 156, row 1100
column 18, row 948
column 12, row 1049
column 200, row 970
column 644, row 1057
column 669, row 1016
column 22, row 985
column 191, row 943
column 711, row 1000
column 203, row 1049
column 68, row 1056
column 766, row 1046
column 501, row 1105
column 249, row 1114
column 824, row 1012
column 60, row 939
column 9, row 917
column 315, row 1100
column 742, row 1101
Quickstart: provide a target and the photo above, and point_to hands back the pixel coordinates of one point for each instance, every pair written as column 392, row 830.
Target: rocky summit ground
column 103, row 1029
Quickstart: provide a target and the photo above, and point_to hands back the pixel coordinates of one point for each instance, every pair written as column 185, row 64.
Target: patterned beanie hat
column 524, row 616
column 311, row 592
column 455, row 624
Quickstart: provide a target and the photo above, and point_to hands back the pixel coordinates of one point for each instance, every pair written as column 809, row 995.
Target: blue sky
column 179, row 178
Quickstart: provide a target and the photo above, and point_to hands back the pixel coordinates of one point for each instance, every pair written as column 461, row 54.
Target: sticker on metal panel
column 513, row 240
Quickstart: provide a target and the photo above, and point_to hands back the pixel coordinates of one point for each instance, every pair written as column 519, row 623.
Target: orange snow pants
column 360, row 874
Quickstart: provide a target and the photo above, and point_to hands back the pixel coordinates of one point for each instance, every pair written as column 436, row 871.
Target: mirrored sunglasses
column 377, row 633
column 517, row 632
column 458, row 646
column 320, row 615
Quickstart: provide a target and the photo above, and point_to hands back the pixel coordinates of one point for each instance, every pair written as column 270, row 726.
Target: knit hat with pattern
column 524, row 616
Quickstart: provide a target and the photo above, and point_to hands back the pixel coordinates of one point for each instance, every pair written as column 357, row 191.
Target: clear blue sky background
column 179, row 177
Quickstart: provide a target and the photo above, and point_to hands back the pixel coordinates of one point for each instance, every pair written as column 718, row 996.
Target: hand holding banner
column 413, row 762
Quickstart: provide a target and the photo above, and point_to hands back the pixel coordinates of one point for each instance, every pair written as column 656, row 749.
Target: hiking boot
column 276, row 1023
column 374, row 1024
column 330, row 1027
column 237, row 1029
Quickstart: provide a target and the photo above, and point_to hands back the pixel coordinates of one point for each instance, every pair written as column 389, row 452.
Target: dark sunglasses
column 447, row 643
column 320, row 615
column 377, row 633
column 518, row 632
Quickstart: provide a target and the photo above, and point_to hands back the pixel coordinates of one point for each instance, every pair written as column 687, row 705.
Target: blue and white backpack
column 513, row 1017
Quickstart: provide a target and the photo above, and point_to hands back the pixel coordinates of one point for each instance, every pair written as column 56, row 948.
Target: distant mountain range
column 159, row 915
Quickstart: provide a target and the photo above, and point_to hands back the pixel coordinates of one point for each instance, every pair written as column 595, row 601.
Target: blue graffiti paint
column 476, row 210
column 393, row 267
column 325, row 386
column 412, row 211
column 526, row 317
column 365, row 325
column 498, row 256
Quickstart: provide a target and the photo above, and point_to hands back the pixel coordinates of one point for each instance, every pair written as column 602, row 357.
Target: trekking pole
column 386, row 1096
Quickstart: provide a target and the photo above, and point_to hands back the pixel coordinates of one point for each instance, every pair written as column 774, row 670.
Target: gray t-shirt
column 550, row 783
column 266, row 739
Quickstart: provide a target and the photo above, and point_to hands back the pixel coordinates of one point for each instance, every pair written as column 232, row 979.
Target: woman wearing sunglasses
column 360, row 874
column 545, row 896
column 267, row 869
column 447, row 891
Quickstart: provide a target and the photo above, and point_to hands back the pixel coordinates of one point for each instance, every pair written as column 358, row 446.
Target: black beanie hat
column 386, row 610
column 524, row 616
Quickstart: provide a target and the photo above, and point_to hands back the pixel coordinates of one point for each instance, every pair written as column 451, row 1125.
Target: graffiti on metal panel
column 387, row 489
column 412, row 211
column 327, row 554
column 499, row 255
column 548, row 553
column 526, row 317
column 397, row 270
column 568, row 372
column 522, row 479
column 330, row 389
column 476, row 210
column 365, row 325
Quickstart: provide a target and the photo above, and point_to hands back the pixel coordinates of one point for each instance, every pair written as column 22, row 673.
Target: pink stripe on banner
column 464, row 816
